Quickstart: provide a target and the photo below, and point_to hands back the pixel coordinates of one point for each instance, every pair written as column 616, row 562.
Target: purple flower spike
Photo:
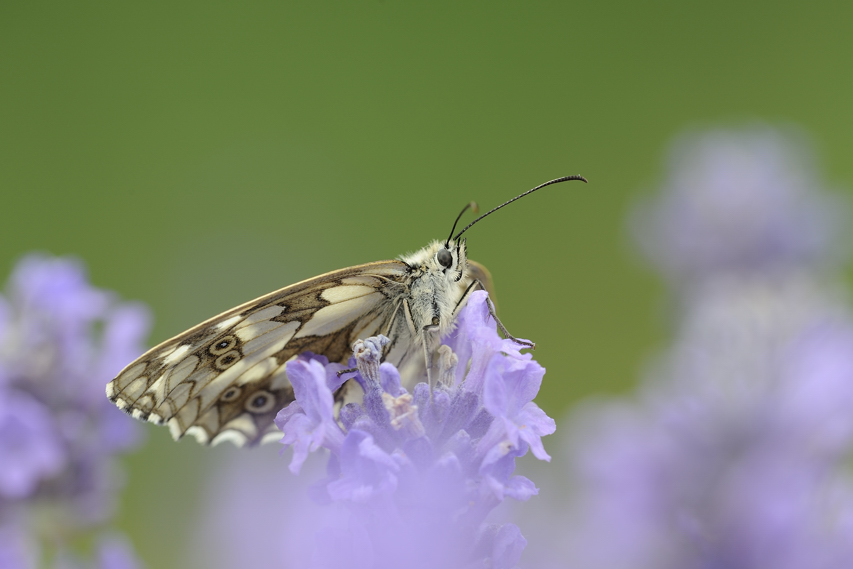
column 736, row 450
column 420, row 472
column 740, row 201
column 63, row 339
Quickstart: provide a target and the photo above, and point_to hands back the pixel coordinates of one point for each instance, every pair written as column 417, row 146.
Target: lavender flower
column 61, row 340
column 413, row 476
column 734, row 453
column 30, row 448
column 739, row 201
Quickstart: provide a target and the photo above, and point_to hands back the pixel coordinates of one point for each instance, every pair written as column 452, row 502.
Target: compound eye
column 444, row 258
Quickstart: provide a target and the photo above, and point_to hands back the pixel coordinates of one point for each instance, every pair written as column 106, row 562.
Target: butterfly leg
column 491, row 306
column 427, row 360
column 407, row 311
column 504, row 331
column 427, row 338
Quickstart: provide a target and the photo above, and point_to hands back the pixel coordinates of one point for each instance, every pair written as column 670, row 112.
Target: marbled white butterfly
column 224, row 379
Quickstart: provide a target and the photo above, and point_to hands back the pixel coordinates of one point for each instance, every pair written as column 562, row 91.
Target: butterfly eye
column 444, row 258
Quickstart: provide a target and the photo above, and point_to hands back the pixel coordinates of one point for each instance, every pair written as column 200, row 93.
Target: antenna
column 540, row 186
column 474, row 207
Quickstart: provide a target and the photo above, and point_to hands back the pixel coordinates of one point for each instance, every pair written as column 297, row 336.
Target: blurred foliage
column 198, row 154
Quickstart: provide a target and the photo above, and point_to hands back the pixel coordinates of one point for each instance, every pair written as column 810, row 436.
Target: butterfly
column 225, row 380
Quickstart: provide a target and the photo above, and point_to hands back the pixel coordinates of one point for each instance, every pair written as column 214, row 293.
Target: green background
column 198, row 154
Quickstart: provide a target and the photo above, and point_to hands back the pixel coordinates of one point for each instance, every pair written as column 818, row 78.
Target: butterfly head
column 452, row 257
column 449, row 258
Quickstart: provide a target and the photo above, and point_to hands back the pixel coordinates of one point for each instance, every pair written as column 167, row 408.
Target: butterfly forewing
column 224, row 379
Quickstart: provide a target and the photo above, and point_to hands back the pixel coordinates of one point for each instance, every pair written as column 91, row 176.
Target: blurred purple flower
column 115, row 552
column 740, row 201
column 30, row 449
column 734, row 453
column 414, row 476
column 61, row 340
column 704, row 478
column 112, row 551
column 16, row 551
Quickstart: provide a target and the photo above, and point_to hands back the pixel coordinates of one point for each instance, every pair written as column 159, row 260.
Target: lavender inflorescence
column 419, row 472
column 60, row 341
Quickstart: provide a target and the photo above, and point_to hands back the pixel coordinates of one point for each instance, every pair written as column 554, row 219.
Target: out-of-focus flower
column 412, row 478
column 112, row 551
column 733, row 454
column 740, row 202
column 30, row 449
column 61, row 340
column 16, row 549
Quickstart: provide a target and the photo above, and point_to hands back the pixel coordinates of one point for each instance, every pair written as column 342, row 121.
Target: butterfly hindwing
column 224, row 379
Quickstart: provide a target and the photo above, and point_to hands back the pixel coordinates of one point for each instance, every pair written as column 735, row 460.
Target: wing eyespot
column 231, row 394
column 260, row 402
column 222, row 346
column 226, row 360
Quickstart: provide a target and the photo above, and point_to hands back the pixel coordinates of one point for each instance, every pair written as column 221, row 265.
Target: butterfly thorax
column 436, row 288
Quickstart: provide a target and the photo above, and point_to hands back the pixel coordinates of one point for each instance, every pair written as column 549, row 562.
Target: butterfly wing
column 224, row 379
